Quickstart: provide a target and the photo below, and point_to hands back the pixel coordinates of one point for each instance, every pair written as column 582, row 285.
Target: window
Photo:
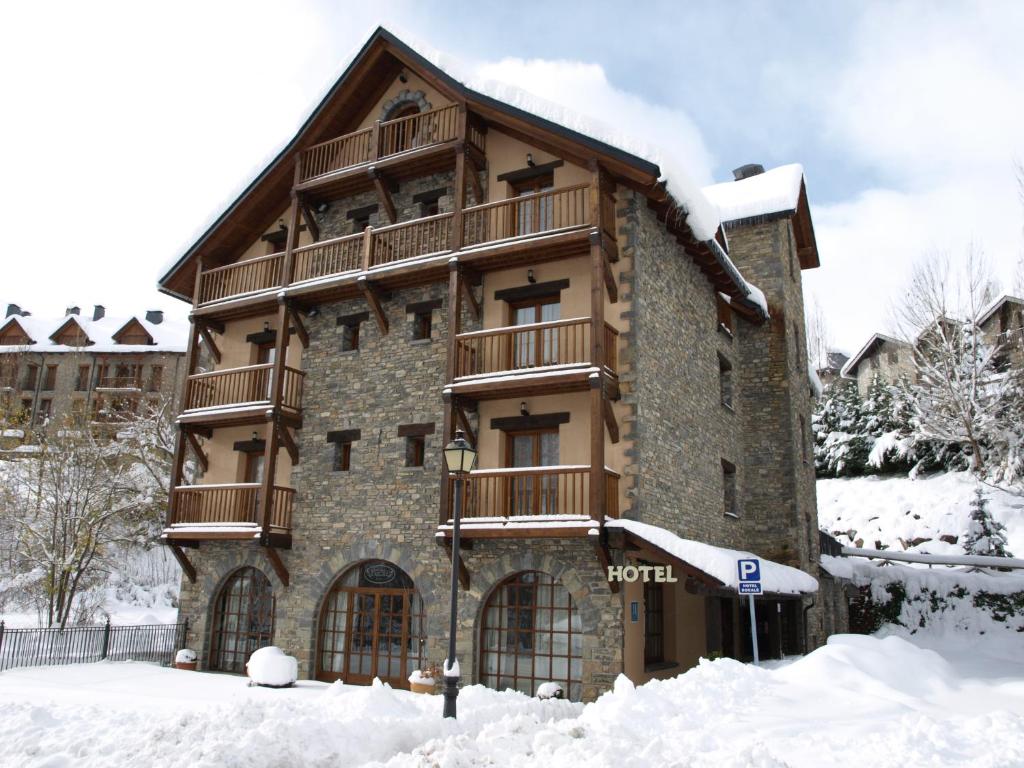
column 430, row 207
column 342, row 457
column 531, row 634
column 874, row 362
column 654, row 623
column 349, row 325
column 156, row 378
column 803, row 439
column 421, row 325
column 796, row 342
column 535, row 214
column 415, row 446
column 50, row 378
column 729, row 489
column 360, row 218
column 724, row 312
column 536, row 347
column 725, row 381
column 31, row 376
column 253, row 467
column 82, row 380
column 533, row 494
column 243, row 620
column 894, row 356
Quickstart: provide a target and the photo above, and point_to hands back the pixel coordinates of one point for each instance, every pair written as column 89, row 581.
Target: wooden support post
column 383, row 193
column 197, row 449
column 597, row 357
column 191, row 356
column 208, row 338
column 300, row 328
column 186, row 565
column 463, row 570
column 610, row 421
column 374, row 148
column 597, row 476
column 606, row 268
column 447, row 433
column 289, row 443
column 459, row 203
column 463, row 421
column 474, row 305
column 604, row 558
column 310, row 219
column 474, row 180
column 373, row 298
column 367, row 248
column 277, row 564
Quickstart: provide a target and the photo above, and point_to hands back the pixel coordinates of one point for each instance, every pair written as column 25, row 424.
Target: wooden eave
column 806, row 243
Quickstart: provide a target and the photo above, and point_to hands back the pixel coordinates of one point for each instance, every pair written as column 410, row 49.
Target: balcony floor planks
column 468, row 531
column 234, row 416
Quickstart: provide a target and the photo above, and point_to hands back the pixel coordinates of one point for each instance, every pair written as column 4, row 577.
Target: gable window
column 729, row 489
column 341, row 460
column 50, row 379
column 415, row 442
column 725, row 381
column 349, row 325
column 82, row 380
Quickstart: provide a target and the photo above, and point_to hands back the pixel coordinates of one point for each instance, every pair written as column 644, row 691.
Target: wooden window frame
column 342, row 461
column 50, row 378
column 537, row 303
column 256, row 593
column 654, row 624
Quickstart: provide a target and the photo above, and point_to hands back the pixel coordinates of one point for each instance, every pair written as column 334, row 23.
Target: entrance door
column 371, row 626
column 533, row 494
column 536, row 347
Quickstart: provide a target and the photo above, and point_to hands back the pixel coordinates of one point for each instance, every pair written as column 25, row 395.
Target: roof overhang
column 849, row 369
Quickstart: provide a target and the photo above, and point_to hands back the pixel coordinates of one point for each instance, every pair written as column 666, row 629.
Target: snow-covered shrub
column 985, row 535
column 550, row 691
column 272, row 667
column 185, row 656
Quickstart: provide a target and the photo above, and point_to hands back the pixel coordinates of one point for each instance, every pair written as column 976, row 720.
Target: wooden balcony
column 239, row 395
column 130, row 383
column 530, row 501
column 553, row 222
column 228, row 511
column 383, row 140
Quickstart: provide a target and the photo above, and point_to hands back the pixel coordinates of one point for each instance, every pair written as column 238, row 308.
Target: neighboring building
column 422, row 257
column 1002, row 323
column 832, row 370
column 884, row 356
column 94, row 367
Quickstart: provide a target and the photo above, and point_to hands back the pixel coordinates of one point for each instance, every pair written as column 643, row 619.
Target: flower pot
column 421, row 687
column 189, row 665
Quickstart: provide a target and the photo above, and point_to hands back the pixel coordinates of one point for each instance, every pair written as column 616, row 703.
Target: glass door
column 535, row 493
column 539, row 346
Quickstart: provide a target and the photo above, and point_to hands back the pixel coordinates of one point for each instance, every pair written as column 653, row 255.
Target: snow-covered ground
column 858, row 701
column 896, row 511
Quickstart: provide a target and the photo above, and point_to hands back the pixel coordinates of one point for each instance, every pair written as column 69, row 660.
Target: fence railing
column 80, row 645
column 527, row 215
column 227, row 504
column 410, row 239
column 329, row 257
column 236, row 386
column 533, row 491
column 250, row 276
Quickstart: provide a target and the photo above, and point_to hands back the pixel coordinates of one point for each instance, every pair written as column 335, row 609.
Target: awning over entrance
column 715, row 566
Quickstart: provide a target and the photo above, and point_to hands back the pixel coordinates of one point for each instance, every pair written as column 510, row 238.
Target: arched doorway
column 371, row 625
column 531, row 634
column 243, row 620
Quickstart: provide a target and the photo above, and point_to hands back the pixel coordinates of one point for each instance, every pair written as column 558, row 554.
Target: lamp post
column 459, row 458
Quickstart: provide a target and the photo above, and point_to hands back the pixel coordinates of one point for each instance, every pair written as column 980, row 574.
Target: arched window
column 243, row 620
column 371, row 625
column 531, row 634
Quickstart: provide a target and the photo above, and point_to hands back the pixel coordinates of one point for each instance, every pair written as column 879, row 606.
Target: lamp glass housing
column 459, row 455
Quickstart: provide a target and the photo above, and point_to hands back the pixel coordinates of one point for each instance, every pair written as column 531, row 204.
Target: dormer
column 71, row 334
column 13, row 334
column 133, row 332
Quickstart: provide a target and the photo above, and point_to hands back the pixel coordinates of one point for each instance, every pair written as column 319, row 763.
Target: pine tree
column 985, row 535
column 840, row 447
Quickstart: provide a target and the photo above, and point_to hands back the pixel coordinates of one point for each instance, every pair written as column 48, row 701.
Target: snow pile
column 773, row 191
column 272, row 667
column 942, row 601
column 720, row 562
column 926, row 514
column 857, row 701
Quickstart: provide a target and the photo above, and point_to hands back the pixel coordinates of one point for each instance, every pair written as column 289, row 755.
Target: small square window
column 422, row 322
column 342, row 457
column 415, row 448
column 350, row 337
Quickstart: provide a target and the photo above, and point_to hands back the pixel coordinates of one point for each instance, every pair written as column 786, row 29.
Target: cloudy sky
column 126, row 127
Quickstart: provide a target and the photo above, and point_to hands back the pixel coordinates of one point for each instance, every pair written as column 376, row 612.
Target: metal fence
column 80, row 645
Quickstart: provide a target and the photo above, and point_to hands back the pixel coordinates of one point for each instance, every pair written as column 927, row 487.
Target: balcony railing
column 521, row 217
column 229, row 504
column 381, row 140
column 250, row 276
column 241, row 386
column 533, row 492
column 523, row 347
column 119, row 382
column 530, row 214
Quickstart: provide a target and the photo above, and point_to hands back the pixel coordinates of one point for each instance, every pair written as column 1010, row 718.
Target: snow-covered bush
column 550, row 691
column 985, row 535
column 185, row 656
column 272, row 667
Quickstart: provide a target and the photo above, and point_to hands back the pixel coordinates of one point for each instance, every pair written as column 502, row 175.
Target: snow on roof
column 769, row 192
column 992, row 308
column 720, row 562
column 851, row 364
column 168, row 336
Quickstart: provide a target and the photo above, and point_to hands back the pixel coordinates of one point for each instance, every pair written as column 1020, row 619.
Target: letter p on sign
column 749, row 570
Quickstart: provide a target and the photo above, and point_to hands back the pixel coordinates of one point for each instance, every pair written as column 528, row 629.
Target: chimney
column 748, row 170
column 155, row 316
column 98, row 311
column 13, row 309
column 72, row 311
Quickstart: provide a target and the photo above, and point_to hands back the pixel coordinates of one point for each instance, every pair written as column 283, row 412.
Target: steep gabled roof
column 364, row 80
column 996, row 305
column 65, row 326
column 105, row 334
column 850, row 369
column 133, row 324
column 28, row 329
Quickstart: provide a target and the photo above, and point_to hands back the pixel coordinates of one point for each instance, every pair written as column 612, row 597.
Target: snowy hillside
column 926, row 514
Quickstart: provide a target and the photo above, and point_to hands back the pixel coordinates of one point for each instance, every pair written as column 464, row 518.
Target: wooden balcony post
column 367, row 248
column 597, row 477
column 375, row 135
column 459, row 203
column 454, row 325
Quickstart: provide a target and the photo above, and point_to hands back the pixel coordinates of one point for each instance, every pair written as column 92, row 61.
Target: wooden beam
column 610, row 421
column 609, row 278
column 474, row 180
column 208, row 338
column 463, row 420
column 604, row 558
column 310, row 219
column 373, row 298
column 186, row 565
column 300, row 328
column 214, row 325
column 474, row 305
column 277, row 564
column 197, row 449
column 289, row 443
column 383, row 193
column 463, row 570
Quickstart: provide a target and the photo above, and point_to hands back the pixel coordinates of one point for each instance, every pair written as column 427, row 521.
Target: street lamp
column 459, row 458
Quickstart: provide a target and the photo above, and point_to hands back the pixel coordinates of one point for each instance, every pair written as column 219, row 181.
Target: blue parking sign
column 749, row 570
